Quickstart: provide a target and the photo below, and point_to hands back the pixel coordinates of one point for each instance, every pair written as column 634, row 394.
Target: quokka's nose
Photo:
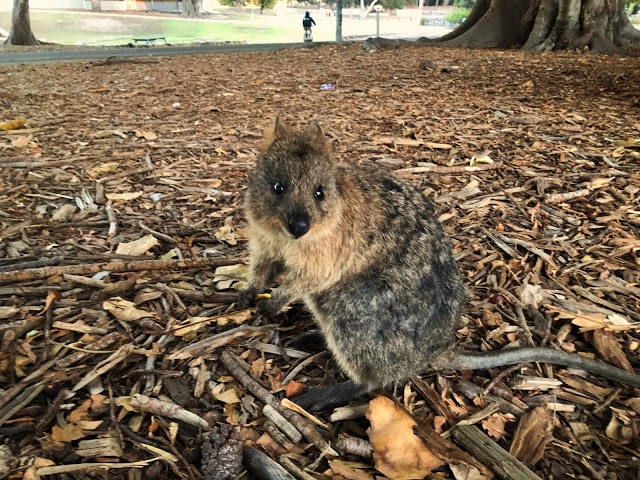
column 298, row 226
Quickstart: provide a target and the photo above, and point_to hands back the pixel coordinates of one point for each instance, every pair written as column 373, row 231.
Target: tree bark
column 602, row 26
column 191, row 8
column 95, row 6
column 21, row 33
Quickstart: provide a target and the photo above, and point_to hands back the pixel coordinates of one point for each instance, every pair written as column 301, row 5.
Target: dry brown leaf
column 398, row 452
column 20, row 142
column 71, row 432
column 137, row 247
column 610, row 350
column 494, row 425
column 123, row 196
column 293, row 389
column 125, row 310
column 533, row 434
column 228, row 396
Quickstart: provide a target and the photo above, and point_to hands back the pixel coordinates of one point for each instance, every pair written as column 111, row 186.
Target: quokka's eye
column 278, row 188
column 319, row 193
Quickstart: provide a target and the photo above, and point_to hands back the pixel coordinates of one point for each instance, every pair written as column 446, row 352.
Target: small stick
column 563, row 197
column 48, row 318
column 354, row 446
column 233, row 365
column 452, row 170
column 293, row 469
column 282, row 423
column 89, row 282
column 294, row 371
column 100, row 344
column 529, row 246
column 43, row 262
column 142, row 403
column 208, row 345
column 158, row 235
column 113, row 224
column 75, row 467
column 521, row 319
column 499, row 377
column 262, row 466
column 20, row 401
column 115, row 266
column 115, row 358
column 277, row 435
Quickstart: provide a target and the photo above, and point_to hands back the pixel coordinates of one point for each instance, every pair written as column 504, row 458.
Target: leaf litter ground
column 122, row 239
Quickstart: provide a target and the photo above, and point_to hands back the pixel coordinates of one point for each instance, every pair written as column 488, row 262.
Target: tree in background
column 543, row 25
column 191, row 8
column 268, row 4
column 232, row 3
column 21, row 33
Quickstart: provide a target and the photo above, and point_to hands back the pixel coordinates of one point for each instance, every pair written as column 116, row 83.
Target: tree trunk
column 21, row 33
column 95, row 5
column 602, row 26
column 191, row 8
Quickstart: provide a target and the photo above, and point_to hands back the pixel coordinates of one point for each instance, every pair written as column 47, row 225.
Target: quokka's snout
column 298, row 224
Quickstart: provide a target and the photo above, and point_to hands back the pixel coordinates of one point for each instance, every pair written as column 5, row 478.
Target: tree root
column 596, row 26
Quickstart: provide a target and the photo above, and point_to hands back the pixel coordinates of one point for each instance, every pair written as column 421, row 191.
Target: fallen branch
column 235, row 368
column 116, row 266
column 43, row 262
column 142, row 403
column 564, row 197
column 452, row 170
column 472, row 439
column 208, row 345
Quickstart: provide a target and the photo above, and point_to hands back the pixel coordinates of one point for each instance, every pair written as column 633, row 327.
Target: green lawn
column 101, row 29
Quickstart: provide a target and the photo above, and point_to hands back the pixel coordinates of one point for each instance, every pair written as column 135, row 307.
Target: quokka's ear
column 278, row 129
column 314, row 130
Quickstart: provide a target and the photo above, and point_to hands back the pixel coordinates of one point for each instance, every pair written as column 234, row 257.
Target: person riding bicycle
column 307, row 21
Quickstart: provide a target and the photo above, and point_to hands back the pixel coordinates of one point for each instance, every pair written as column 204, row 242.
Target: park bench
column 149, row 40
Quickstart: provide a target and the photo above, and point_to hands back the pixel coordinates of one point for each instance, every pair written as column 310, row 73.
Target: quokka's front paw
column 268, row 308
column 246, row 297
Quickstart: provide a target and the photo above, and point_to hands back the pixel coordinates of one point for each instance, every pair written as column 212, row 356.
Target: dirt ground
column 531, row 160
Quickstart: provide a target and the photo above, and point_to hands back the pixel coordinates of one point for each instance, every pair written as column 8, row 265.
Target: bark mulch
column 122, row 239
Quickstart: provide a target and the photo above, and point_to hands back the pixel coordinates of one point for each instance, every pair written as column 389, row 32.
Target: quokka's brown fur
column 372, row 263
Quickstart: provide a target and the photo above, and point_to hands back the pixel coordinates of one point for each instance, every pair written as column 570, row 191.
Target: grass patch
column 101, row 29
column 457, row 15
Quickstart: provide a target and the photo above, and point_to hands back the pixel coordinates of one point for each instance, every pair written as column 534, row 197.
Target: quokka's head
column 293, row 190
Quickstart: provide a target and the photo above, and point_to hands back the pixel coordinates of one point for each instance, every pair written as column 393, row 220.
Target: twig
column 520, row 313
column 20, row 401
column 113, row 223
column 208, row 345
column 348, row 445
column 43, row 262
column 235, row 368
column 529, row 246
column 293, row 469
column 563, row 197
column 158, row 235
column 118, row 176
column 282, row 423
column 262, row 466
column 452, row 170
column 97, row 346
column 115, row 266
column 497, row 378
column 89, row 282
column 294, row 371
column 118, row 356
column 142, row 403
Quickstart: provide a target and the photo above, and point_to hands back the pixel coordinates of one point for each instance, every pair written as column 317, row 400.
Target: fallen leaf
column 123, row 196
column 69, row 433
column 398, row 452
column 20, row 142
column 137, row 247
column 533, row 434
column 228, row 396
column 125, row 310
column 13, row 124
column 293, row 389
column 339, row 468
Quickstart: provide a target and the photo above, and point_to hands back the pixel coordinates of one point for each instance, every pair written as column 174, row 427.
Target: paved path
column 43, row 56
